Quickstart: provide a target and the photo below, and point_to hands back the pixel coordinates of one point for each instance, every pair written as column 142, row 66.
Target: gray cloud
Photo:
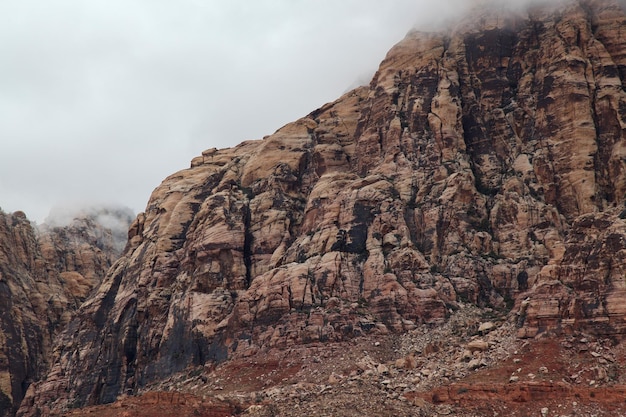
column 102, row 99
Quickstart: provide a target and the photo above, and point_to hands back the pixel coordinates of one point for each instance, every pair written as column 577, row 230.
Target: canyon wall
column 483, row 165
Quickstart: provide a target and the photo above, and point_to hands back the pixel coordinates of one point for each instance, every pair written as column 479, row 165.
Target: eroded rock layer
column 482, row 165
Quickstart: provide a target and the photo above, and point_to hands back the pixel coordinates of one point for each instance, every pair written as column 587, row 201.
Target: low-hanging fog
column 102, row 99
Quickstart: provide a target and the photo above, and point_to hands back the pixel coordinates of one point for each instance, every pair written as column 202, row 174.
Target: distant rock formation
column 107, row 223
column 45, row 273
column 482, row 165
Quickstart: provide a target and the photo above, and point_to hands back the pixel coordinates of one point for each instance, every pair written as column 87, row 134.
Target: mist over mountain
column 103, row 99
column 448, row 239
column 115, row 219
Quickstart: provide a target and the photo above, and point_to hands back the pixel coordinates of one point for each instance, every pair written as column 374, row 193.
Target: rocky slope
column 484, row 165
column 45, row 273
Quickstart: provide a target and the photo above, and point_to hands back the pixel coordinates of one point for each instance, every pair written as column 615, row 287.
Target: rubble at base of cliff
column 471, row 366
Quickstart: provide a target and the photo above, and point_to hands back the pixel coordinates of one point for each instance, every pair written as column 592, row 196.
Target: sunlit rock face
column 482, row 165
column 45, row 273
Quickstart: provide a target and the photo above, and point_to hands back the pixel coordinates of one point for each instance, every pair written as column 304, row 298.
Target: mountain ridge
column 45, row 274
column 482, row 166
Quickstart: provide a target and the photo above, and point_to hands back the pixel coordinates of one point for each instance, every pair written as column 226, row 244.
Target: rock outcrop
column 482, row 165
column 45, row 273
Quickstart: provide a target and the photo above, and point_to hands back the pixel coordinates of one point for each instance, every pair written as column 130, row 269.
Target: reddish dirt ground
column 491, row 391
column 160, row 404
column 551, row 376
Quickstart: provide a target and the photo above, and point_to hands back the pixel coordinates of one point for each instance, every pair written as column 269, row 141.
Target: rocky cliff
column 45, row 273
column 483, row 165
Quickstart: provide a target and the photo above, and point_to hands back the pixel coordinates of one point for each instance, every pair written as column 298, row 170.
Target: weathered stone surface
column 472, row 169
column 477, row 345
column 45, row 273
column 584, row 288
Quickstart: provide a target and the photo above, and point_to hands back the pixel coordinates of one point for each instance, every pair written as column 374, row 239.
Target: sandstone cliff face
column 482, row 165
column 44, row 276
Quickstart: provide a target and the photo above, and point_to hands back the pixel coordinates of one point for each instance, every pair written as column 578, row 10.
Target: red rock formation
column 482, row 165
column 44, row 276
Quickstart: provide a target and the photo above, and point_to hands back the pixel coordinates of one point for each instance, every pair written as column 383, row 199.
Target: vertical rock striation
column 483, row 165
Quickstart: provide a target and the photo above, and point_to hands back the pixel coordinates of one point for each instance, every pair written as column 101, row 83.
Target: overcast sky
column 100, row 100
